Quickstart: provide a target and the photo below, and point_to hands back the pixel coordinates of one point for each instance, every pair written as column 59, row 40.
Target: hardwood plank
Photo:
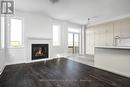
column 59, row 73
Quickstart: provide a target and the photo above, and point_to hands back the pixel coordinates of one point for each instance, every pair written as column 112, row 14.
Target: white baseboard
column 13, row 63
column 30, row 61
column 2, row 69
column 39, row 60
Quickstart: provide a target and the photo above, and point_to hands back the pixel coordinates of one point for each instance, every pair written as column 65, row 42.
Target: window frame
column 9, row 37
column 58, row 35
column 2, row 32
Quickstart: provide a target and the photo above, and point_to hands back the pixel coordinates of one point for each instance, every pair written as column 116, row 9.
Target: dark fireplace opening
column 40, row 51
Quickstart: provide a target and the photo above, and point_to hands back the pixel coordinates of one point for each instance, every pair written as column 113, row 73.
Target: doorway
column 73, row 42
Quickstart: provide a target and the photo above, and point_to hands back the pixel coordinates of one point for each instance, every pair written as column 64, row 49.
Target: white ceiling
column 76, row 11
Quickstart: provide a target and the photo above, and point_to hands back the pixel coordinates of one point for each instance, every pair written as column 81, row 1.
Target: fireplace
column 40, row 51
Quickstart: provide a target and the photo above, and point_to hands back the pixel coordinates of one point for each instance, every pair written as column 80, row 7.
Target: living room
column 65, row 42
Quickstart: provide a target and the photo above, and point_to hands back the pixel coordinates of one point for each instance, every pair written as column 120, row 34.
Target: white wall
column 34, row 26
column 38, row 26
column 63, row 48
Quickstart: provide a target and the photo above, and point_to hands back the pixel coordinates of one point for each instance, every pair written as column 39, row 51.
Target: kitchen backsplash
column 124, row 42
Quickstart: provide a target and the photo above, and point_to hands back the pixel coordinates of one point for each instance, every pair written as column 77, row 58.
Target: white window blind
column 16, row 32
column 2, row 32
column 56, row 35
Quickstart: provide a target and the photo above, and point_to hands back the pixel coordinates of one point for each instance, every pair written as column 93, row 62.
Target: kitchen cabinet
column 122, row 28
column 100, row 35
column 109, row 34
column 90, row 41
column 104, row 34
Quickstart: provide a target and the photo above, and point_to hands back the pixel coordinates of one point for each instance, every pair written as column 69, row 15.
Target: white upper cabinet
column 99, row 35
column 104, row 34
column 122, row 28
column 109, row 34
column 90, row 41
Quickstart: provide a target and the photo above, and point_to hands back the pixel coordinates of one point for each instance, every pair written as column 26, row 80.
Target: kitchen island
column 113, row 59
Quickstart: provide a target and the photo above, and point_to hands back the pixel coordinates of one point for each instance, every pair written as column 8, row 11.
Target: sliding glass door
column 73, row 43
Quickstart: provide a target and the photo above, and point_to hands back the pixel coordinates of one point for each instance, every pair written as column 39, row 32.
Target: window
column 70, row 39
column 2, row 32
column 73, row 40
column 16, row 32
column 56, row 35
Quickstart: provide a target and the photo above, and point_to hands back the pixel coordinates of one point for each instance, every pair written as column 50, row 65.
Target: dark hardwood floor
column 59, row 73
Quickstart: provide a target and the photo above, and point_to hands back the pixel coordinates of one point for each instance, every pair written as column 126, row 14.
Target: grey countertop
column 113, row 47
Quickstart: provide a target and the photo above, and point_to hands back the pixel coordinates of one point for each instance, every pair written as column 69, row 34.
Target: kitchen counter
column 113, row 59
column 113, row 47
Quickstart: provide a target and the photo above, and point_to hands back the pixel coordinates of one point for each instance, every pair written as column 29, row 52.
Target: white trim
column 19, row 47
column 110, row 20
column 14, row 63
column 40, row 60
column 1, row 71
column 38, row 38
column 37, row 41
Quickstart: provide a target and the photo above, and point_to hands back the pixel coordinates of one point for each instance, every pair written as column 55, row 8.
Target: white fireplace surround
column 33, row 40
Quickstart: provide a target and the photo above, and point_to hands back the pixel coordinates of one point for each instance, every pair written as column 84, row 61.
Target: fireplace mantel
column 37, row 40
